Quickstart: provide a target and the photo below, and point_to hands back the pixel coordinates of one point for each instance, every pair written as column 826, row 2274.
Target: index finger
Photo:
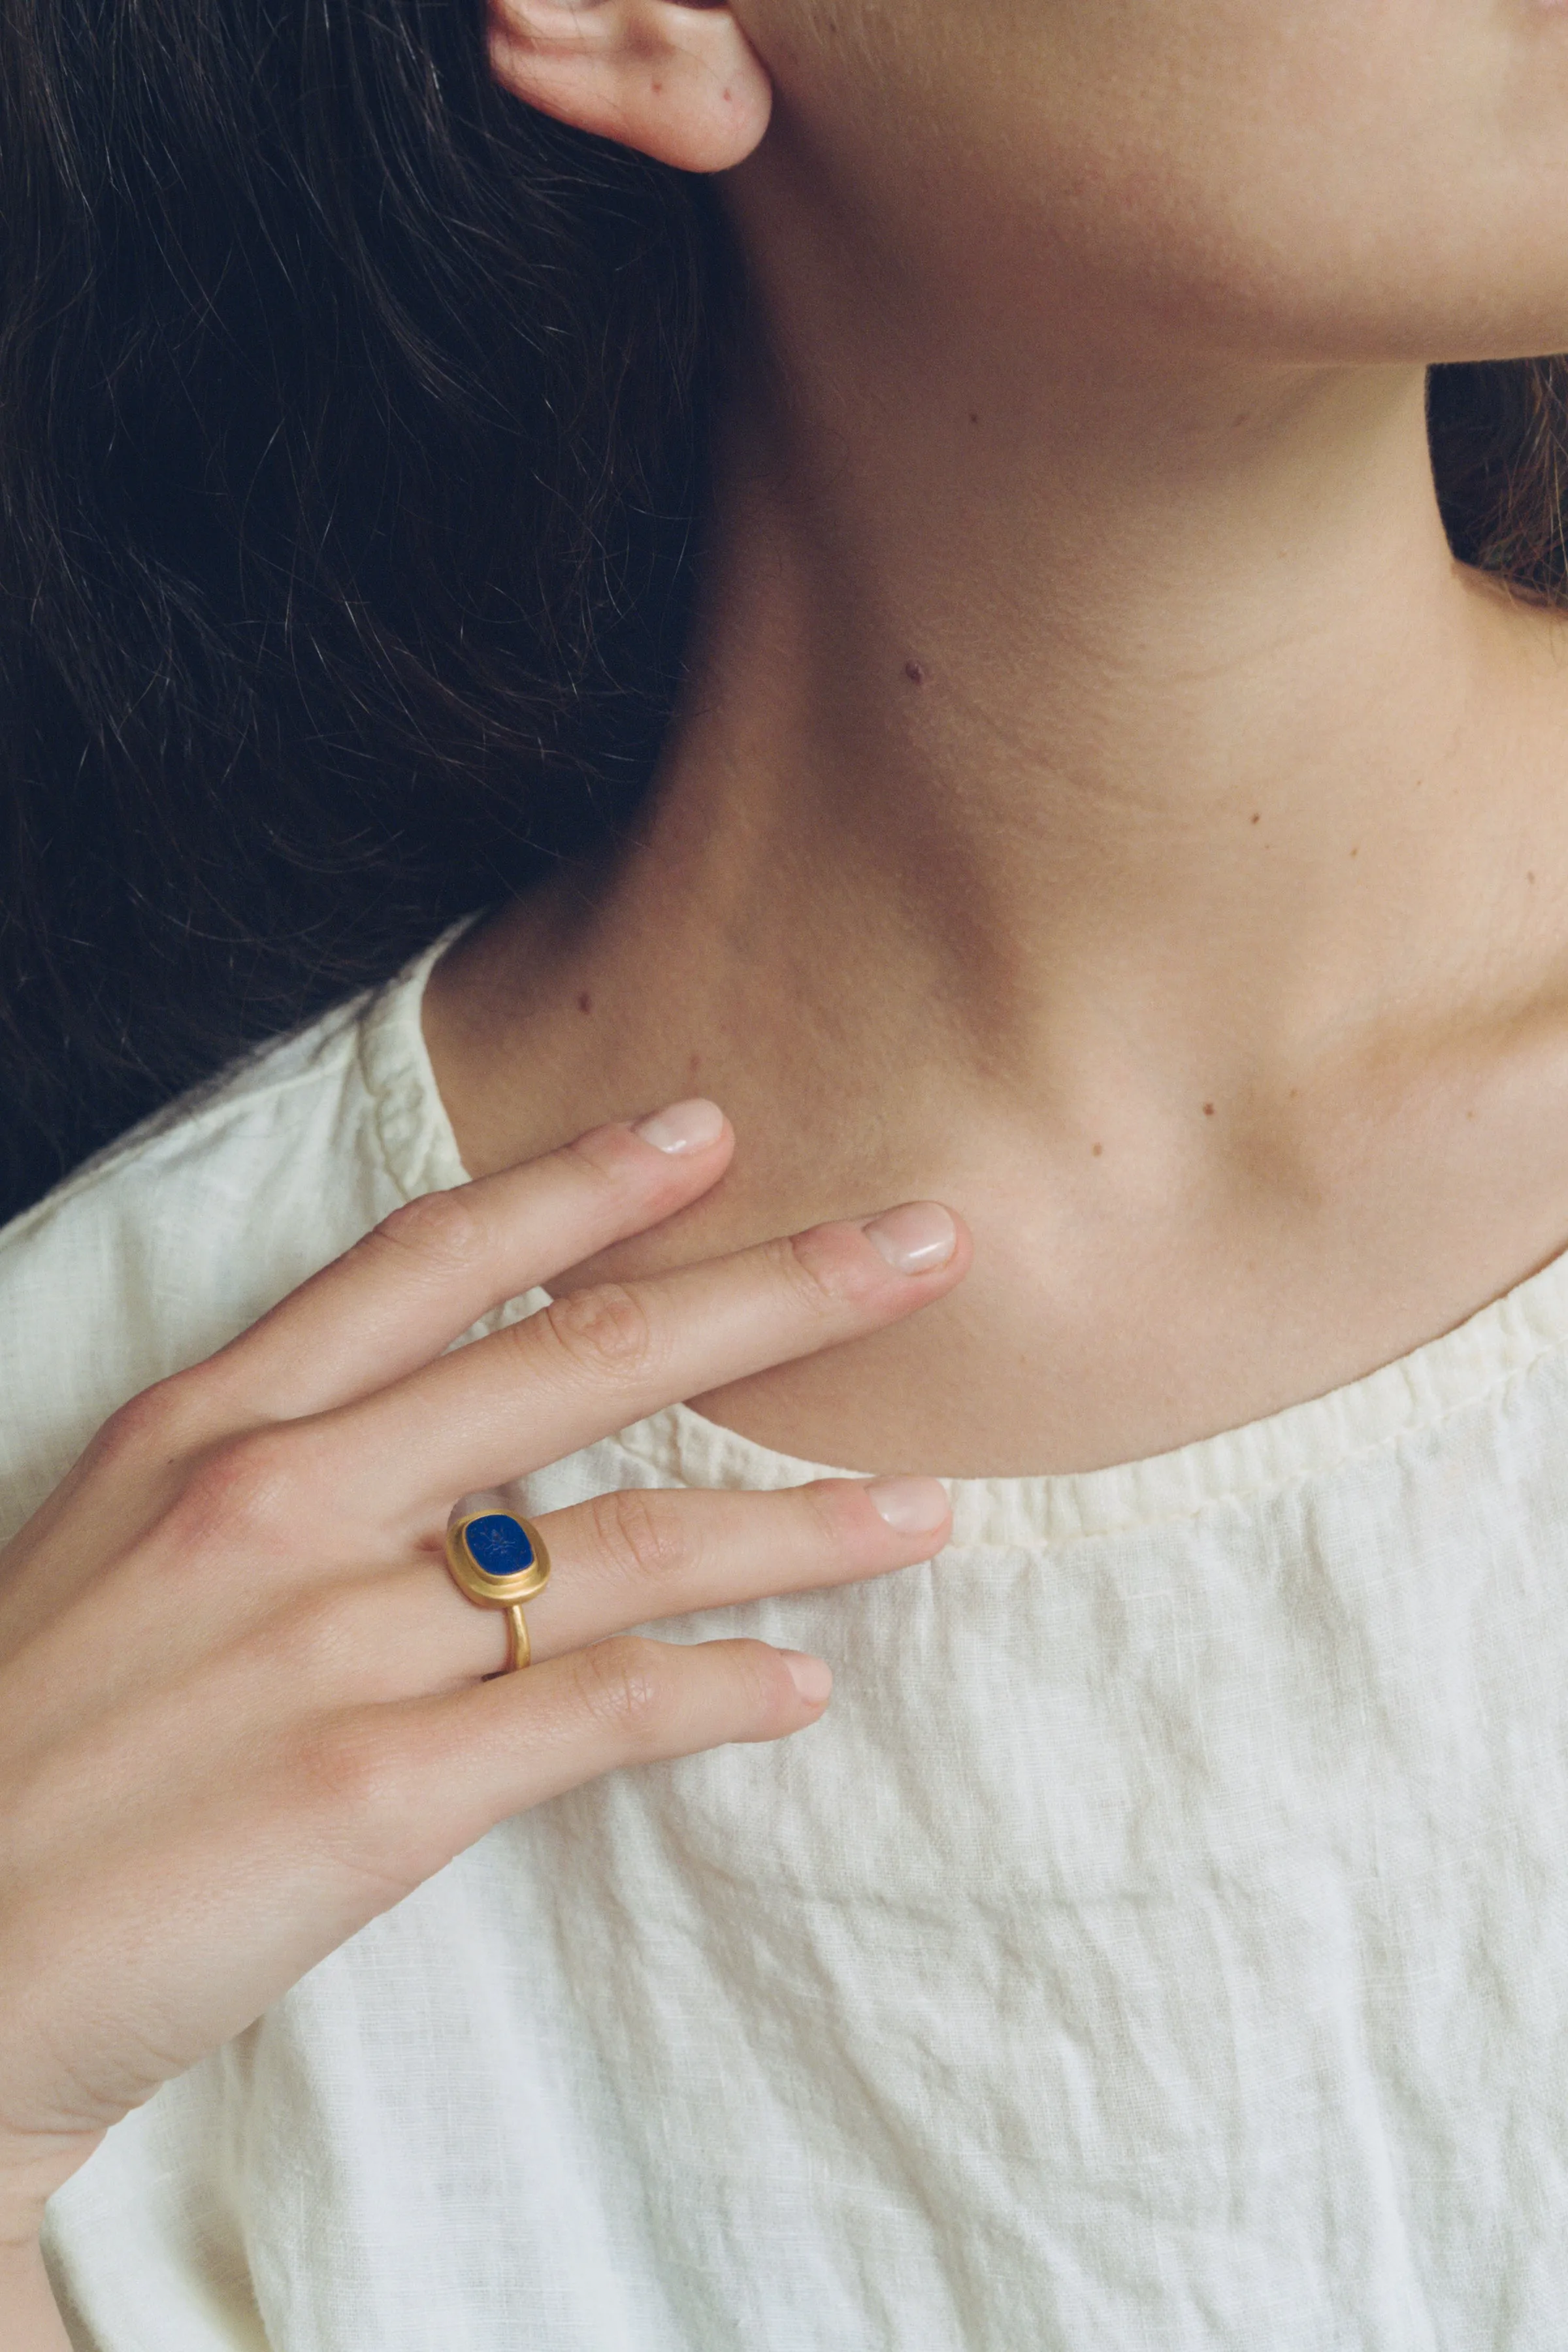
column 426, row 1273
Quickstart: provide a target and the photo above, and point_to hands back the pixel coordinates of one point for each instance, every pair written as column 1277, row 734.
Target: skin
column 1100, row 802
column 162, row 1629
column 1085, row 381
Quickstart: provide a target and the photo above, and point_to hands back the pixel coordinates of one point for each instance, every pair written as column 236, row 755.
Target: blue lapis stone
column 498, row 1545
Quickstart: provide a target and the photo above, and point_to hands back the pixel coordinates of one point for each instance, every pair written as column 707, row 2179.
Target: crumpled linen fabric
column 1160, row 1946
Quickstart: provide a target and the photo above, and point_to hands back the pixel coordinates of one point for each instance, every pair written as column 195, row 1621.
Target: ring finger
column 634, row 1557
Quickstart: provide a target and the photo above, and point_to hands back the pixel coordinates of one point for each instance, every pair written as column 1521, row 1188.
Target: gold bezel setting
column 477, row 1583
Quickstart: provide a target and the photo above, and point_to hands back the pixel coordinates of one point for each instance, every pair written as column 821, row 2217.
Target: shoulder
column 188, row 1228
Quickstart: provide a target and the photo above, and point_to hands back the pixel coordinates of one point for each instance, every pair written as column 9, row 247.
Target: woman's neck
column 992, row 731
column 1102, row 802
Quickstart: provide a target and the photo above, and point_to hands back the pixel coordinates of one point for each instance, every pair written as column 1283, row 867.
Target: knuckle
column 607, row 1157
column 825, row 1268
column 605, row 1331
column 247, row 1492
column 153, row 1428
column 833, row 1509
column 625, row 1686
column 443, row 1231
column 638, row 1531
column 765, row 1685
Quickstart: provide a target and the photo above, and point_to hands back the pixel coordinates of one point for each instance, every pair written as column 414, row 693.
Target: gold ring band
column 498, row 1559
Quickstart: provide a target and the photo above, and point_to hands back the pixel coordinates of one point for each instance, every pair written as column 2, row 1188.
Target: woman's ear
column 676, row 79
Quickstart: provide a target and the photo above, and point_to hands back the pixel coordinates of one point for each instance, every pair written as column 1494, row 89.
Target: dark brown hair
column 1499, row 450
column 351, row 434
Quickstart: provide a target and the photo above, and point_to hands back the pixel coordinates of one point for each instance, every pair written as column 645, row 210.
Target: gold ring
column 498, row 1560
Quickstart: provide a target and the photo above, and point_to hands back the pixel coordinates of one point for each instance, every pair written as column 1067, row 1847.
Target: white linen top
column 1160, row 1946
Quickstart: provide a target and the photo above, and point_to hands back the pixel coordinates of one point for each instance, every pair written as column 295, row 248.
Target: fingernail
column 684, row 1127
column 812, row 1678
column 917, row 1238
column 914, row 1505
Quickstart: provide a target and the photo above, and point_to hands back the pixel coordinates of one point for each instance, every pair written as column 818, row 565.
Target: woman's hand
column 243, row 1708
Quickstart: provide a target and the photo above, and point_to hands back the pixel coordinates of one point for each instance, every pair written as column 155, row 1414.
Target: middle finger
column 598, row 1359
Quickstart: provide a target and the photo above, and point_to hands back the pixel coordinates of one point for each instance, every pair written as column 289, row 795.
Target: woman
column 1100, row 815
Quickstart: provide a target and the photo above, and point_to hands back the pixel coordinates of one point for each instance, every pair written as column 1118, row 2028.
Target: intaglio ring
column 498, row 1560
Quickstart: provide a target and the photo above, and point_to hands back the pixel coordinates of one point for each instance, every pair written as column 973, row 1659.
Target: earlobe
column 677, row 79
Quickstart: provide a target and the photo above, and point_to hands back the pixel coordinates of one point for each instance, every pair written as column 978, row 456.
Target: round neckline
column 1456, row 1370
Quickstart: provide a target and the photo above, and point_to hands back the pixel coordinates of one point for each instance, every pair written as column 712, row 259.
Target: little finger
column 406, row 1788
